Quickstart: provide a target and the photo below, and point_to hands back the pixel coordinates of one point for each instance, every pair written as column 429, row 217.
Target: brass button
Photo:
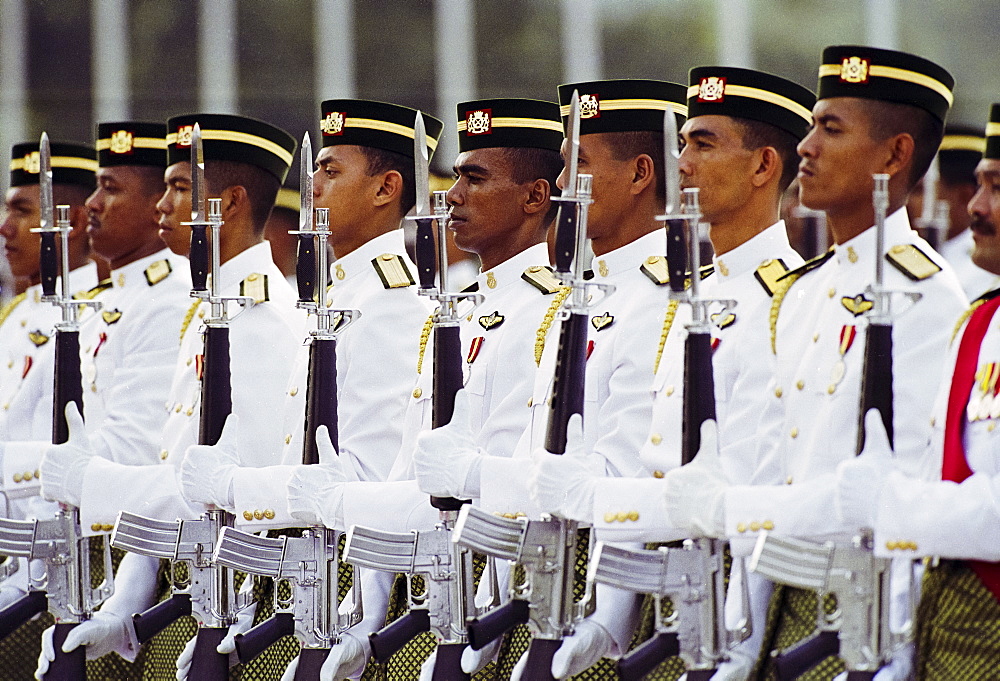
column 831, row 293
column 669, row 390
column 201, row 314
column 754, row 526
column 890, row 545
column 800, row 384
column 269, row 514
column 778, row 392
column 28, row 475
column 247, row 515
column 417, row 392
column 93, row 387
column 17, row 477
column 258, row 514
column 657, row 474
column 107, row 528
column 190, row 411
column 788, row 480
column 10, row 364
column 38, row 474
column 816, row 337
column 529, row 402
column 741, row 527
column 96, row 527
column 795, row 433
column 189, row 361
column 622, row 516
column 913, row 546
column 767, row 525
column 633, row 516
column 6, row 406
column 832, row 388
column 288, row 439
column 656, row 438
column 178, row 407
column 933, row 421
column 293, row 392
column 609, row 517
column 252, row 277
column 164, row 454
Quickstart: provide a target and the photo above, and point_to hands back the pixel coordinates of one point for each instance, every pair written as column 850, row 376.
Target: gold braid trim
column 547, row 320
column 779, row 295
column 963, row 318
column 425, row 335
column 9, row 307
column 668, row 321
column 187, row 319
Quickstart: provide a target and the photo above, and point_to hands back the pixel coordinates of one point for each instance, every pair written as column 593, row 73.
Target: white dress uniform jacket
column 374, row 355
column 741, row 364
column 263, row 340
column 819, row 341
column 128, row 350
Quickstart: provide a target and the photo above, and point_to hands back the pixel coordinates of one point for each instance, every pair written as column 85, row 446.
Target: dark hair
column 72, row 195
column 886, row 119
column 625, row 146
column 757, row 134
column 382, row 161
column 528, row 164
column 261, row 187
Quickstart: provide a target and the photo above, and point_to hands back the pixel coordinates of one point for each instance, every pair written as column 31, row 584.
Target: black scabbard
column 565, row 242
column 447, row 382
column 425, row 253
column 22, row 610
column 305, row 268
column 154, row 620
column 216, row 385
column 71, row 666
column 699, row 392
column 645, row 658
column 568, row 381
column 48, row 263
column 198, row 257
column 67, row 382
column 677, row 254
column 876, row 380
column 321, row 396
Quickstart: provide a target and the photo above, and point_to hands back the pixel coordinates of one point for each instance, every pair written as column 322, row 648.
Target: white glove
column 475, row 660
column 207, row 470
column 427, row 668
column 316, row 492
column 347, row 659
column 900, row 668
column 564, row 485
column 695, row 492
column 243, row 623
column 101, row 634
column 860, row 479
column 447, row 461
column 63, row 466
column 588, row 644
column 9, row 594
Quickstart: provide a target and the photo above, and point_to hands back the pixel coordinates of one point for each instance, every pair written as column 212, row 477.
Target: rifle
column 860, row 630
column 308, row 564
column 66, row 588
column 208, row 592
column 546, row 547
column 447, row 567
column 935, row 215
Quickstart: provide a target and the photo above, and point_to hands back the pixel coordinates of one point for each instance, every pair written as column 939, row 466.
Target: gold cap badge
column 32, row 163
column 712, row 89
column 854, row 70
column 479, row 122
column 121, row 142
column 590, row 106
column 333, row 123
column 184, row 134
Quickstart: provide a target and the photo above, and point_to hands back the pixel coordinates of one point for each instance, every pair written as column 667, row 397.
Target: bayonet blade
column 671, row 163
column 306, row 184
column 421, row 163
column 197, row 176
column 45, row 182
column 573, row 137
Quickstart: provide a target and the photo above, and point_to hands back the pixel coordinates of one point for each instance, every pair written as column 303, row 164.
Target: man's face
column 611, row 186
column 119, row 211
column 715, row 161
column 342, row 184
column 174, row 208
column 21, row 214
column 984, row 208
column 839, row 156
column 485, row 201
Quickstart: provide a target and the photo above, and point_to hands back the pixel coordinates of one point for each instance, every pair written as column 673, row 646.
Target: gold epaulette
column 807, row 266
column 769, row 272
column 655, row 267
column 912, row 262
column 188, row 316
column 668, row 322
column 158, row 271
column 9, row 307
column 255, row 287
column 90, row 294
column 392, row 271
column 425, row 336
column 550, row 315
column 542, row 278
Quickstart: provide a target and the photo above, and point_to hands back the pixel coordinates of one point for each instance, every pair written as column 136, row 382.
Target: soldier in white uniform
column 879, row 111
column 501, row 211
column 621, row 144
column 364, row 176
column 952, row 512
column 27, row 344
column 246, row 175
column 739, row 150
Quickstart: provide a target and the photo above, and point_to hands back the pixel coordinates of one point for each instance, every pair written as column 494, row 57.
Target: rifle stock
column 20, row 611
column 538, row 666
column 389, row 640
column 646, row 657
column 71, row 666
column 259, row 638
column 800, row 658
column 68, row 385
column 321, row 396
column 497, row 622
column 151, row 622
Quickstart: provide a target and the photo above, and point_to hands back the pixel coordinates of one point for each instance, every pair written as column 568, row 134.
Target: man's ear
column 538, row 197
column 390, row 189
column 235, row 201
column 899, row 150
column 644, row 173
column 768, row 165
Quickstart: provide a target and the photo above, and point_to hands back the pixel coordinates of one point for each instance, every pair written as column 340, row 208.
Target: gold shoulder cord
column 779, row 296
column 9, row 307
column 425, row 335
column 668, row 321
column 187, row 319
column 547, row 320
column 963, row 318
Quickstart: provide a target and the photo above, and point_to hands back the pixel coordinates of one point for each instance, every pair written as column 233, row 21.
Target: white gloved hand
column 9, row 595
column 447, row 461
column 860, row 478
column 101, row 634
column 347, row 659
column 588, row 644
column 900, row 668
column 475, row 660
column 695, row 492
column 207, row 470
column 427, row 668
column 243, row 623
column 63, row 466
column 564, row 485
column 316, row 493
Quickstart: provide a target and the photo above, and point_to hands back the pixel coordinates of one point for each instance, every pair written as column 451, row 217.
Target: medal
column 839, row 369
column 848, row 332
column 972, row 409
column 985, row 407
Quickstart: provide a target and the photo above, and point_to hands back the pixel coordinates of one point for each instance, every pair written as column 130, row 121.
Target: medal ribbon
column 848, row 333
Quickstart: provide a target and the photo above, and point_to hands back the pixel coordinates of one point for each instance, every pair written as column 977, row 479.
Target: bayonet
column 199, row 254
column 49, row 264
column 305, row 263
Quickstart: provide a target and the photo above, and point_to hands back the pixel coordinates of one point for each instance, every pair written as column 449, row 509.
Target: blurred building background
column 65, row 64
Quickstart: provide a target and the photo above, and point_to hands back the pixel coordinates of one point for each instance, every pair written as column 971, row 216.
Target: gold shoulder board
column 769, row 272
column 255, row 287
column 912, row 262
column 94, row 292
column 706, row 271
column 392, row 271
column 157, row 272
column 655, row 267
column 542, row 278
column 807, row 266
